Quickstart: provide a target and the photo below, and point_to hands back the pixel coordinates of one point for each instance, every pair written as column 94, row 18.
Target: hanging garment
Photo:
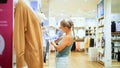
column 113, row 26
column 118, row 26
column 112, row 52
column 77, row 46
column 27, row 37
column 118, row 58
column 73, row 47
column 46, row 51
column 91, row 42
column 87, row 42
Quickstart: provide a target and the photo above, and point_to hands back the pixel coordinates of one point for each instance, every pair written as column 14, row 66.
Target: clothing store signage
column 6, row 20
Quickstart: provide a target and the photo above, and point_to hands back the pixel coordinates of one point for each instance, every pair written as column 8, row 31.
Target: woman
column 64, row 46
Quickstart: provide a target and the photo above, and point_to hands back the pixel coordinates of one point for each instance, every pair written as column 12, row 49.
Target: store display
column 115, row 46
column 6, row 30
column 115, row 26
column 115, row 35
column 91, row 31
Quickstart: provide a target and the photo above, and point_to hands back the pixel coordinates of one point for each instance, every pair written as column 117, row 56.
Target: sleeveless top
column 65, row 52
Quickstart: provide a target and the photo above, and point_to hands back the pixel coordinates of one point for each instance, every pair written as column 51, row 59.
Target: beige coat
column 27, row 37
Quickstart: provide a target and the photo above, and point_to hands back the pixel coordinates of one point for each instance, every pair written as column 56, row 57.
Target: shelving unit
column 91, row 31
column 115, row 38
column 101, row 40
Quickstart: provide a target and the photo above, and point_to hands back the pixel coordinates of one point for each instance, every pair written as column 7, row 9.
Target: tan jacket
column 27, row 37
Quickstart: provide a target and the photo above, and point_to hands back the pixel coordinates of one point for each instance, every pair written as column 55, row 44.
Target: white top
column 118, row 26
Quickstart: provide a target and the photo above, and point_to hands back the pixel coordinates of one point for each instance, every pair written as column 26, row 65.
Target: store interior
column 96, row 29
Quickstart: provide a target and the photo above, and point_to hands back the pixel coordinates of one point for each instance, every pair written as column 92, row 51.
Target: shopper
column 27, row 37
column 64, row 46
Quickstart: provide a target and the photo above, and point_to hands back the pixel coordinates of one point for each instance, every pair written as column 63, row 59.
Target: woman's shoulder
column 68, row 38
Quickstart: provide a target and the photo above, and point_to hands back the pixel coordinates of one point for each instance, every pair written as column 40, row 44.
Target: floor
column 77, row 60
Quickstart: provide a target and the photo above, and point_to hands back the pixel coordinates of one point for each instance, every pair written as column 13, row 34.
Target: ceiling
column 115, row 6
column 68, row 8
column 81, row 8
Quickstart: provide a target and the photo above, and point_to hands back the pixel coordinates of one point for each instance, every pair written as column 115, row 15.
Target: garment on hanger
column 73, row 47
column 113, row 26
column 77, row 46
column 118, row 26
column 27, row 37
column 87, row 42
column 46, row 44
column 91, row 42
column 118, row 58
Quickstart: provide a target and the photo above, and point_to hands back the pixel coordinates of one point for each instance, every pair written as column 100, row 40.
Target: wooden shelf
column 100, row 26
column 100, row 62
column 79, row 27
column 116, row 47
column 80, row 39
column 116, row 40
column 101, row 33
column 101, row 18
column 118, row 33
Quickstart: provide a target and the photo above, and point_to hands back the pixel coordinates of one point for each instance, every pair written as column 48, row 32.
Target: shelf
column 101, row 33
column 113, row 60
column 101, row 18
column 116, row 47
column 80, row 39
column 116, row 40
column 115, row 33
column 79, row 27
column 101, row 62
column 100, row 26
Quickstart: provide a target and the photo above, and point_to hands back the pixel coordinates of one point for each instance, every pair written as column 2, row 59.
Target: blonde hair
column 67, row 23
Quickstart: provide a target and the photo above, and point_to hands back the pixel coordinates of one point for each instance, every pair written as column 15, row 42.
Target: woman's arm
column 60, row 38
column 67, row 41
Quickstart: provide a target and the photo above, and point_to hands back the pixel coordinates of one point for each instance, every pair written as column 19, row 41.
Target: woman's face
column 62, row 28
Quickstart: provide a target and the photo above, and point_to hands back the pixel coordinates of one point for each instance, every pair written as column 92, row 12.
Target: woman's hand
column 53, row 43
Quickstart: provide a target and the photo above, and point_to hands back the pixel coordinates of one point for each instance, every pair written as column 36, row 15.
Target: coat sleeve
column 19, row 34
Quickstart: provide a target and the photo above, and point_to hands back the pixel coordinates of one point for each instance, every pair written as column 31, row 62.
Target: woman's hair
column 67, row 23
